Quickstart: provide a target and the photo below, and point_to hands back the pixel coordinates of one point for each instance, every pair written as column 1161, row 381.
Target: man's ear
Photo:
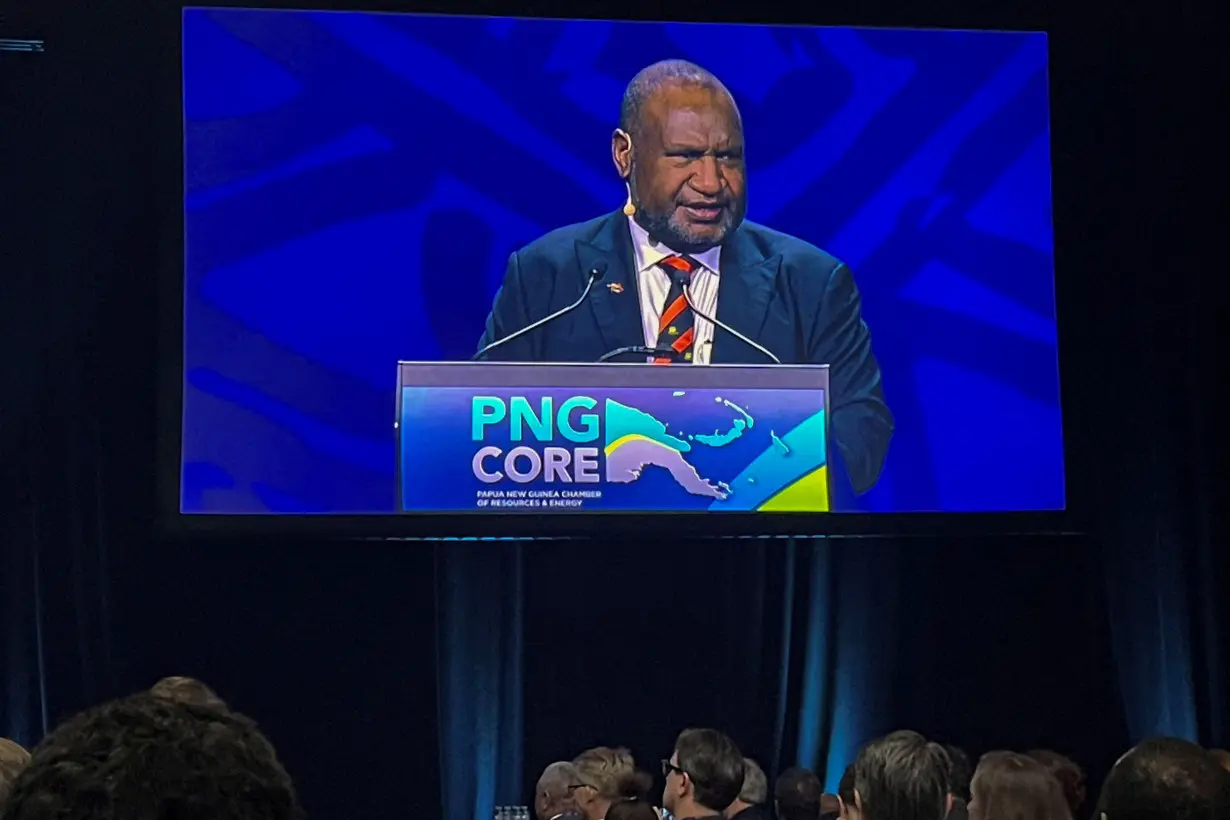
column 858, row 801
column 948, row 805
column 1104, row 816
column 621, row 152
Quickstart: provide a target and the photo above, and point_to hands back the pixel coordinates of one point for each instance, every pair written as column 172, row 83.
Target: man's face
column 687, row 173
column 674, row 786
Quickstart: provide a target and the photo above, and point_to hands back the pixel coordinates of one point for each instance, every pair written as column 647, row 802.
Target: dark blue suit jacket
column 791, row 297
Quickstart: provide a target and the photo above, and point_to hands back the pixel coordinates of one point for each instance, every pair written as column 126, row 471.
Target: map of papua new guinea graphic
column 636, row 440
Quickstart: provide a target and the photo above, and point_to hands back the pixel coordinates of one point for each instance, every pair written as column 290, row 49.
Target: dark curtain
column 481, row 594
column 76, row 258
column 1139, row 333
column 803, row 650
column 451, row 675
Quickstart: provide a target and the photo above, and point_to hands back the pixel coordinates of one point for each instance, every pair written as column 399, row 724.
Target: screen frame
column 1064, row 59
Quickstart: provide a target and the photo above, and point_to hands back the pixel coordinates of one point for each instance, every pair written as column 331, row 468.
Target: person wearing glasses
column 553, row 796
column 704, row 775
column 603, row 776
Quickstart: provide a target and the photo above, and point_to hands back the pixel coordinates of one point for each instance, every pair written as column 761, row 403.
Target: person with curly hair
column 146, row 757
column 188, row 690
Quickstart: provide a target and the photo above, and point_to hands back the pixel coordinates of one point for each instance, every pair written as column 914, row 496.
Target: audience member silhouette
column 187, row 690
column 798, row 794
column 902, row 777
column 553, row 796
column 1070, row 776
column 845, row 796
column 703, row 775
column 149, row 758
column 632, row 810
column 13, row 758
column 633, row 800
column 1009, row 786
column 750, row 804
column 1166, row 778
column 959, row 775
column 960, row 772
column 601, row 774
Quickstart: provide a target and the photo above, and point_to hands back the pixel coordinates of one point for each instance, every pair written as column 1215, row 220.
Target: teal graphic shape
column 622, row 420
column 775, row 468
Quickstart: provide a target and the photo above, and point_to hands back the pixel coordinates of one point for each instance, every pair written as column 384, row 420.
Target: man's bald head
column 654, row 78
column 553, row 795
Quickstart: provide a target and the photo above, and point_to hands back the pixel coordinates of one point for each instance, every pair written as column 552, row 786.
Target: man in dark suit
column 679, row 149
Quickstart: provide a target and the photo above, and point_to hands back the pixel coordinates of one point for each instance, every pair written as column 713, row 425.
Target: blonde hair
column 607, row 770
column 13, row 758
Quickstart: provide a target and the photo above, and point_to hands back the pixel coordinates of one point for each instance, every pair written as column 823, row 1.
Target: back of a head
column 553, row 793
column 13, row 758
column 1010, row 786
column 755, row 789
column 606, row 769
column 1166, row 777
column 633, row 786
column 960, row 772
column 714, row 764
column 149, row 758
column 798, row 793
column 187, row 690
column 633, row 803
column 631, row 810
column 902, row 777
column 845, row 787
column 1070, row 776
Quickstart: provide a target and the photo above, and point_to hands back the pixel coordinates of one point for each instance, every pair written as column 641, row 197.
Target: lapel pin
column 615, row 287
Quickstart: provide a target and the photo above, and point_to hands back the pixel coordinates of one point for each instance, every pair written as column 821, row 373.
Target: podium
column 550, row 439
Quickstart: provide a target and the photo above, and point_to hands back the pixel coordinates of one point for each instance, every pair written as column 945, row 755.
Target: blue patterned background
column 355, row 183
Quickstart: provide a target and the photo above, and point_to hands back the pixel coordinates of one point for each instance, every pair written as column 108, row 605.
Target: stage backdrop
column 356, row 182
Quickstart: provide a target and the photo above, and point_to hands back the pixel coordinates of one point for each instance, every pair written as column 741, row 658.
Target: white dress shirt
column 653, row 285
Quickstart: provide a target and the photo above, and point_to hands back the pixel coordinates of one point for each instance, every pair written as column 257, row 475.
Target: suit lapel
column 615, row 299
column 744, row 295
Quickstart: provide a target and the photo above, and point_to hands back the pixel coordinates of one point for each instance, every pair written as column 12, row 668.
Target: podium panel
column 488, row 437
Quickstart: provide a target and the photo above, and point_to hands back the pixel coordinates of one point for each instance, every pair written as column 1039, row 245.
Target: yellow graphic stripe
column 622, row 440
column 809, row 494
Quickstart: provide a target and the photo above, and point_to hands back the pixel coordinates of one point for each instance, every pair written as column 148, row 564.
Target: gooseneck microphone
column 640, row 350
column 595, row 273
column 685, row 282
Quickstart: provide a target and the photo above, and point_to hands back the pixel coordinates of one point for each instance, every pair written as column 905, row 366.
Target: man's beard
column 670, row 230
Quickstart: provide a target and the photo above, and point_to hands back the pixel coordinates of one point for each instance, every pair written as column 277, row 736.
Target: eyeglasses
column 668, row 767
column 574, row 786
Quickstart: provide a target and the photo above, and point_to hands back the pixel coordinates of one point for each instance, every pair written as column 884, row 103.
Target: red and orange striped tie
column 676, row 328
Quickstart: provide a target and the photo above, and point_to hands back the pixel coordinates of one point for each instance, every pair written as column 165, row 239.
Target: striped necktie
column 676, row 328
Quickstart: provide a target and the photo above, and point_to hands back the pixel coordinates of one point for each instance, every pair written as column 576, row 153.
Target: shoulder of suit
column 794, row 251
column 562, row 241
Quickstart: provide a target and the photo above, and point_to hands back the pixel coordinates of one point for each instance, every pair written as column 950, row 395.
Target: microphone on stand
column 595, row 273
column 641, row 350
column 684, row 280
